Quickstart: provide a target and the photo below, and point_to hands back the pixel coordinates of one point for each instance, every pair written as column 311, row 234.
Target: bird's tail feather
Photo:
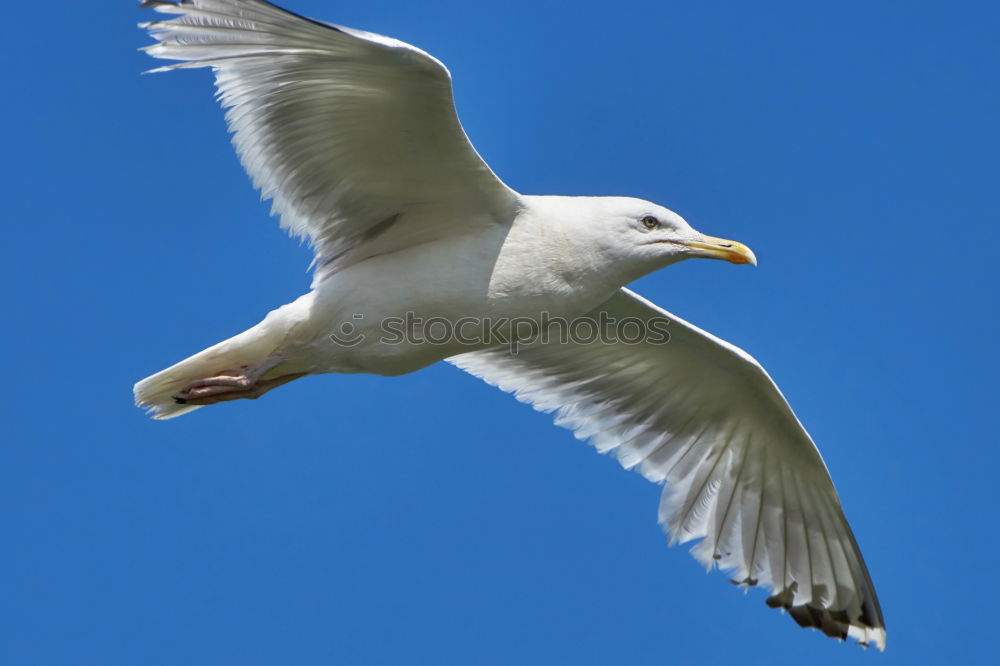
column 262, row 352
column 159, row 393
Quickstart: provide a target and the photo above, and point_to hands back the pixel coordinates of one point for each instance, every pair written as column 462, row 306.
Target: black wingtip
column 833, row 623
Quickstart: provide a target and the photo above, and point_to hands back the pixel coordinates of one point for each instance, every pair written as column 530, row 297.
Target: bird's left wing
column 349, row 132
column 701, row 415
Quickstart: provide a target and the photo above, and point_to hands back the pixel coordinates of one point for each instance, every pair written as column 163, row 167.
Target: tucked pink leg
column 229, row 385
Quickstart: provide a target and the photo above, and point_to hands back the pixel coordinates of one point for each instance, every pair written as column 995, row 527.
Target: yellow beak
column 710, row 247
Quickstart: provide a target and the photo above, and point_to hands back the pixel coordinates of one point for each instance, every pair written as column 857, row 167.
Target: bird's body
column 423, row 255
column 496, row 272
column 496, row 276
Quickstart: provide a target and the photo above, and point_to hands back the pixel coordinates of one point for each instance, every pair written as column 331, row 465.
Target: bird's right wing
column 701, row 415
column 349, row 132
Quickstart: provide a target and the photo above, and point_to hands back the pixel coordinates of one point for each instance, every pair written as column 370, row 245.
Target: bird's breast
column 397, row 313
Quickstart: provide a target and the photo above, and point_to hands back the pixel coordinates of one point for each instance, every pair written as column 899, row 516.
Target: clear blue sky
column 431, row 519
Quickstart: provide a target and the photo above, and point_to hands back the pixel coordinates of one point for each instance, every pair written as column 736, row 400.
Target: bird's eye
column 650, row 222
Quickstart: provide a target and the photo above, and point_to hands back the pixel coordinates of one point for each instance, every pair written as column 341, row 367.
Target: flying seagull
column 422, row 254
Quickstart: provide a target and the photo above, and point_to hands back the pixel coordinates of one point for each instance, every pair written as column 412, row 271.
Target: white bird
column 422, row 254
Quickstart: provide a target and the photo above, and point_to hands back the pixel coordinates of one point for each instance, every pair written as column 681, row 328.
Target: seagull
column 422, row 254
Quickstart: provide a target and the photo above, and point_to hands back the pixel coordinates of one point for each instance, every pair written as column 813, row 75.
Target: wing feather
column 342, row 129
column 741, row 473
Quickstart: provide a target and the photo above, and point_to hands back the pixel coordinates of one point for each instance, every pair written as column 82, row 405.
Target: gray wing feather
column 741, row 473
column 343, row 129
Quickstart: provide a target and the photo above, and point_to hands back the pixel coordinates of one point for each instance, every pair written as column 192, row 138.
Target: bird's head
column 649, row 237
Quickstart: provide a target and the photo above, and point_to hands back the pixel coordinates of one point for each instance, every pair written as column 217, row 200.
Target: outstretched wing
column 701, row 415
column 350, row 133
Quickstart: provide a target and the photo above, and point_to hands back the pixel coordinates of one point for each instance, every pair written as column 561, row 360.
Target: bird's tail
column 260, row 353
column 159, row 394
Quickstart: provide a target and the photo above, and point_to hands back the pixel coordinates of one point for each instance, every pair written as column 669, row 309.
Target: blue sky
column 430, row 519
